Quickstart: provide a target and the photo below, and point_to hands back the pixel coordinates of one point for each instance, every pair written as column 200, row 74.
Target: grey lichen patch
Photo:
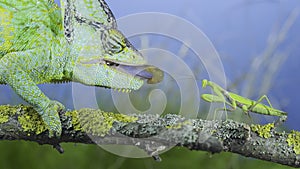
column 173, row 120
column 146, row 126
column 229, row 130
column 263, row 131
column 31, row 121
column 97, row 122
column 5, row 112
column 179, row 125
column 293, row 140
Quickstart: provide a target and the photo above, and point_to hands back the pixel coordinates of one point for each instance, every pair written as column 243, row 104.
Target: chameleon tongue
column 137, row 71
column 152, row 74
column 145, row 74
column 157, row 75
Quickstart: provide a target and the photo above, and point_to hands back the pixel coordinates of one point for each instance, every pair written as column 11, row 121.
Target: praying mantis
column 246, row 105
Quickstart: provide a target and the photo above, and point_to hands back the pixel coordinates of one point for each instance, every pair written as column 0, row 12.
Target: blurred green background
column 26, row 155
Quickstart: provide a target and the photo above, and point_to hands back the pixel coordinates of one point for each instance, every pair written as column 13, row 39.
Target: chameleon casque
column 79, row 41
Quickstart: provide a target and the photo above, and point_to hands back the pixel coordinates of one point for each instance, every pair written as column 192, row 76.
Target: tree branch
column 153, row 134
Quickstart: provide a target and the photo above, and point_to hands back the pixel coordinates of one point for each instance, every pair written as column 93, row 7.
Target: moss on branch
column 153, row 133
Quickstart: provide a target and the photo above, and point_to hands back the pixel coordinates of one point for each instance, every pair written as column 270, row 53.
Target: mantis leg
column 260, row 100
column 277, row 122
column 216, row 99
column 222, row 110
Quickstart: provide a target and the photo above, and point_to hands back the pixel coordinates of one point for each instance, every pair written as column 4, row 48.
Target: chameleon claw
column 51, row 118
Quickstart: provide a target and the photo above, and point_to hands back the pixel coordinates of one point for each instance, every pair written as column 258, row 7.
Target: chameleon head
column 111, row 62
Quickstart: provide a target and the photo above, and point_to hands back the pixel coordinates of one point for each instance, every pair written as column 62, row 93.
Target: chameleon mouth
column 137, row 71
column 133, row 70
column 152, row 74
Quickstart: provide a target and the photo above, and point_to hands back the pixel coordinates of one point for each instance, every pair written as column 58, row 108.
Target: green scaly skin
column 42, row 43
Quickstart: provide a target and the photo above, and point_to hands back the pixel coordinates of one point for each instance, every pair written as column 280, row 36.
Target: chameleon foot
column 51, row 118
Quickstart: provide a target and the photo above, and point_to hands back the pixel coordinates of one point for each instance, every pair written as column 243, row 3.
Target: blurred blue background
column 258, row 42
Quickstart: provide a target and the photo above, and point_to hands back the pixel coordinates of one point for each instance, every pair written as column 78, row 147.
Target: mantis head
column 204, row 83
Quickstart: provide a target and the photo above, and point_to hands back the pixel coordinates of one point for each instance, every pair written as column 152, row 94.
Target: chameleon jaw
column 149, row 73
column 130, row 69
column 152, row 74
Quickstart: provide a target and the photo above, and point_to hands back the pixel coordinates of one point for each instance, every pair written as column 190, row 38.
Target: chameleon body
column 42, row 43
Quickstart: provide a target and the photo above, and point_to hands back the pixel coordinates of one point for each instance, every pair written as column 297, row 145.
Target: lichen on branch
column 153, row 133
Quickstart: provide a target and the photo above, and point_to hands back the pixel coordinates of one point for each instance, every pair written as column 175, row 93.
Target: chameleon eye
column 114, row 46
column 108, row 63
